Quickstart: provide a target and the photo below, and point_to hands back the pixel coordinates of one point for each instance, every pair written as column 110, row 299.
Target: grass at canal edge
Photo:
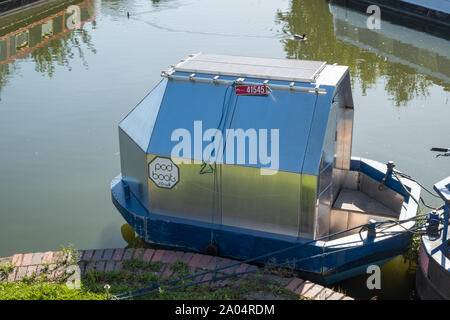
column 93, row 282
column 135, row 274
column 412, row 253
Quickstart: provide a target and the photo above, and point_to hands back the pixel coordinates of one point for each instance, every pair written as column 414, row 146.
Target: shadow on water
column 130, row 237
column 134, row 241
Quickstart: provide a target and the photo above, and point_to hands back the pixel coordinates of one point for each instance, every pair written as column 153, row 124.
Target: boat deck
column 357, row 201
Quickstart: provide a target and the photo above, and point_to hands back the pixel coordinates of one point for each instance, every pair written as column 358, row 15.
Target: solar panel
column 250, row 67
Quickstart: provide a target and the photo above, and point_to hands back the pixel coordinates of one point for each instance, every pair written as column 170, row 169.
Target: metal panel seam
column 301, row 171
column 156, row 119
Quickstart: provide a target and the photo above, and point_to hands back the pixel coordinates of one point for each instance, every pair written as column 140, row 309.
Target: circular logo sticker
column 163, row 172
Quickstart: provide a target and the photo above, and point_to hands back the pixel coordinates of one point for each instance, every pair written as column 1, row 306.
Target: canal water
column 70, row 71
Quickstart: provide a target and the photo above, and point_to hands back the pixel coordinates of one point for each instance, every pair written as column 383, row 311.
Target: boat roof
column 252, row 67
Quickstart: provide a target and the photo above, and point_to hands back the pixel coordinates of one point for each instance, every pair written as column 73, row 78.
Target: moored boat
column 433, row 12
column 251, row 157
column 433, row 274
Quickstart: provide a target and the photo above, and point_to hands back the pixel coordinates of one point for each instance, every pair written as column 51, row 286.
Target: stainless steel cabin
column 309, row 103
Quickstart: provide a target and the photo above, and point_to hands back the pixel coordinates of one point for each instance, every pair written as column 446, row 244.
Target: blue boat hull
column 326, row 265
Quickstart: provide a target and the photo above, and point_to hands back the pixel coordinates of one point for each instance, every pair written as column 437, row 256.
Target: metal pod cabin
column 246, row 205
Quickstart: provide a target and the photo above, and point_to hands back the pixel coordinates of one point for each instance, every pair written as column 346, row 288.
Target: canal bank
column 144, row 267
column 10, row 7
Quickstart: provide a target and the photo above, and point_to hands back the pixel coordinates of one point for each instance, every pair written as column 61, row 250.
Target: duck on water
column 300, row 37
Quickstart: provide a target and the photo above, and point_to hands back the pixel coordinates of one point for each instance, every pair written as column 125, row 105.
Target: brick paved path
column 53, row 264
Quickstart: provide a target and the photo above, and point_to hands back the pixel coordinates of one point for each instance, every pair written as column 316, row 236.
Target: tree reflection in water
column 42, row 34
column 402, row 82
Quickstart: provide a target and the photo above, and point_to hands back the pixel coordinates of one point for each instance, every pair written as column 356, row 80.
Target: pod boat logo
column 163, row 172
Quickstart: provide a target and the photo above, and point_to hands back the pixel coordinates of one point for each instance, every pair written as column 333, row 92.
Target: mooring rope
column 421, row 185
column 224, row 277
column 395, row 174
column 226, row 107
column 214, row 278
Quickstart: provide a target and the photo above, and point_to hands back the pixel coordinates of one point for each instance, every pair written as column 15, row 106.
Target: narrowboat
column 433, row 274
column 245, row 156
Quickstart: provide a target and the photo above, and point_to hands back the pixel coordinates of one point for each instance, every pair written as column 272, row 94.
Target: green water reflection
column 343, row 38
column 397, row 282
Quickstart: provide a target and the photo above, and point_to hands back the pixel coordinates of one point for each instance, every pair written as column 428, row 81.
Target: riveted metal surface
column 325, row 178
column 317, row 133
column 351, row 180
column 139, row 123
column 388, row 197
column 338, row 221
column 344, row 106
column 260, row 202
column 308, row 206
column 323, row 212
column 190, row 198
column 329, row 153
column 286, row 112
column 184, row 105
column 133, row 163
column 312, row 145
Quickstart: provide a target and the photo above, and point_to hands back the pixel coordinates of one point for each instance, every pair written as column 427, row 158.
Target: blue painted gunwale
column 336, row 260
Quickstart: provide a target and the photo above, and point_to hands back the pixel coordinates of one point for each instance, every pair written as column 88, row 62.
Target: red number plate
column 251, row 90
